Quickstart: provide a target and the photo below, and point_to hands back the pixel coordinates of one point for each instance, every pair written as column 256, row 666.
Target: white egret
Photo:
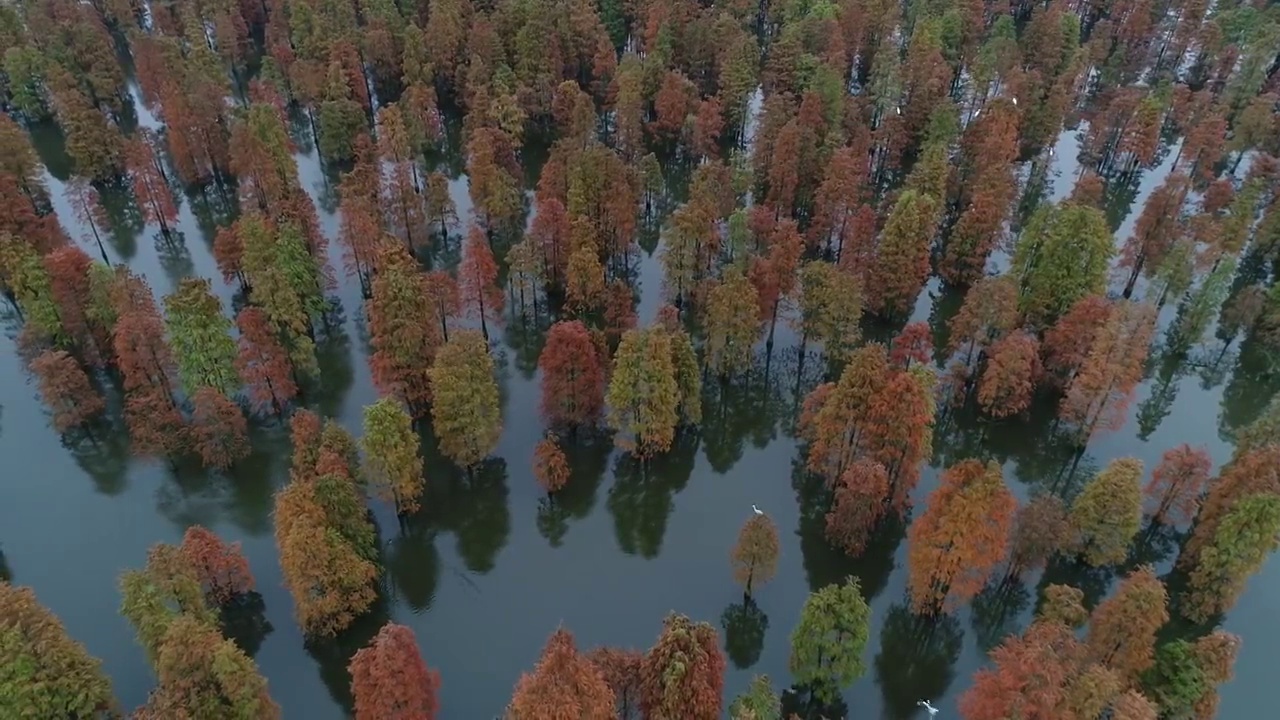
column 928, row 708
column 756, row 510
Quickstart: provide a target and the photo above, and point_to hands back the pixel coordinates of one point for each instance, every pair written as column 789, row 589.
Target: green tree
column 1247, row 535
column 341, row 118
column 731, row 324
column 1063, row 255
column 391, row 464
column 466, row 413
column 1108, row 512
column 44, row 672
column 757, row 702
column 655, row 385
column 201, row 338
column 830, row 308
column 827, row 644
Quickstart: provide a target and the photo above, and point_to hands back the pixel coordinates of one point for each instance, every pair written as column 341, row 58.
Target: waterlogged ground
column 488, row 569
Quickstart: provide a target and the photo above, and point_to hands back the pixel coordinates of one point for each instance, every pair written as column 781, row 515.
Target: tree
column 392, row 465
column 44, row 672
column 1122, row 630
column 220, row 567
column 730, row 324
column 66, row 389
column 758, row 702
column 493, row 178
column 1101, row 391
column 1108, row 511
column 1067, row 343
column 563, row 681
column 830, row 307
column 572, row 379
column 961, row 538
column 156, row 427
column 1062, row 256
column 218, row 429
column 550, row 468
column 682, row 675
column 1156, row 230
column 621, row 671
column 405, row 328
column 1028, row 676
column 165, row 590
column 1009, row 379
column 340, row 117
column 330, row 579
column 652, row 387
column 478, row 279
column 861, row 501
column 1041, row 529
column 390, row 680
column 1177, row 484
column 148, row 182
column 87, row 207
column 287, row 283
column 199, row 673
column 902, row 260
column 989, row 312
column 201, row 337
column 466, row 414
column 263, row 363
column 1242, row 541
column 755, row 556
column 828, row 642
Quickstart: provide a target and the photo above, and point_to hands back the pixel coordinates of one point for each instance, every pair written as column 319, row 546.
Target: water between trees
column 489, row 568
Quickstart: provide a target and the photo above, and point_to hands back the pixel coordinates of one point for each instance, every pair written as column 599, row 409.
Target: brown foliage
column 961, row 538
column 390, row 680
column 1040, row 530
column 550, row 468
column 1067, row 343
column 1009, row 378
column 1100, row 393
column 66, row 389
column 478, row 279
column 563, row 685
column 682, row 675
column 263, row 363
column 861, row 502
column 913, row 344
column 218, row 429
column 220, row 567
column 1177, row 484
column 1122, row 630
column 156, row 427
column 572, row 377
column 755, row 556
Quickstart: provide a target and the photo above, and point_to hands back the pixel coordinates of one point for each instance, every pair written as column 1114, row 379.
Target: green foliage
column 286, row 283
column 1108, row 512
column 23, row 274
column 201, row 338
column 731, row 324
column 44, row 673
column 1247, row 536
column 392, row 465
column 655, row 385
column 828, row 643
column 154, row 597
column 1176, row 681
column 757, row 702
column 830, row 307
column 1063, row 255
column 345, row 513
column 466, row 413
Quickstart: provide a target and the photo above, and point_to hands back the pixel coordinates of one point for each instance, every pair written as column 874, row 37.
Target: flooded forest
column 639, row 359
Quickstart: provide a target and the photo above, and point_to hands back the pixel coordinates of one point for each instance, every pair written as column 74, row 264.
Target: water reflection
column 744, row 626
column 917, row 658
column 413, row 565
column 588, row 458
column 998, row 611
column 642, row 496
column 333, row 655
column 244, row 622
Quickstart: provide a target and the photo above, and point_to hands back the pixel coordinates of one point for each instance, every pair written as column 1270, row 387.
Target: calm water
column 488, row 570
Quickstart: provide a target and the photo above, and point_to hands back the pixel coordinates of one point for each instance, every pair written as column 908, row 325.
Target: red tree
column 1010, row 377
column 563, row 682
column 478, row 279
column 572, row 378
column 403, row 327
column 149, row 186
column 621, row 670
column 1040, row 529
column 1067, row 343
column 1100, row 393
column 861, row 501
column 390, row 680
column 683, row 673
column 228, row 252
column 913, row 344
column 218, row 429
column 155, row 425
column 549, row 465
column 221, row 568
column 961, row 538
column 263, row 363
column 1177, row 484
column 66, row 389
column 1122, row 629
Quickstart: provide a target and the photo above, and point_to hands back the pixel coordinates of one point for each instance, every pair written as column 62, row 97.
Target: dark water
column 488, row 570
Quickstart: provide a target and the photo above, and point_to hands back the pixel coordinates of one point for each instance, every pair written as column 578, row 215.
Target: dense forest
column 803, row 172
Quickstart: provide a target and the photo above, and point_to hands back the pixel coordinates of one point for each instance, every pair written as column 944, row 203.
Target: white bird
column 928, row 708
column 757, row 510
column 1015, row 101
column 976, row 113
column 897, row 110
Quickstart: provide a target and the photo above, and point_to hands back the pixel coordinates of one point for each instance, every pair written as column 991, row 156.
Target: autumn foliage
column 755, row 555
column 683, row 673
column 550, row 467
column 220, row 567
column 572, row 379
column 563, row 681
column 66, row 390
column 961, row 538
column 390, row 680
